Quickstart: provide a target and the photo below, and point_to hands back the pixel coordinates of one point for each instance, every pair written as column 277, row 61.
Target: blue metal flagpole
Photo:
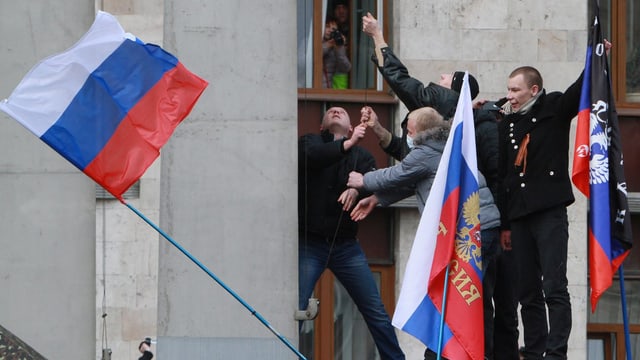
column 220, row 282
column 625, row 316
column 444, row 308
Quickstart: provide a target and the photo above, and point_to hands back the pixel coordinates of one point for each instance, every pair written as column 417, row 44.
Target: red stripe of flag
column 580, row 172
column 136, row 142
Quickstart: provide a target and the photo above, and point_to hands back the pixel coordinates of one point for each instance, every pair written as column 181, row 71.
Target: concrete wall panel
column 47, row 207
column 228, row 191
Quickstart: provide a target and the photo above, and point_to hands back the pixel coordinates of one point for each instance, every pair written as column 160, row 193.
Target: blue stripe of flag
column 453, row 171
column 459, row 175
column 107, row 95
column 424, row 324
column 585, row 94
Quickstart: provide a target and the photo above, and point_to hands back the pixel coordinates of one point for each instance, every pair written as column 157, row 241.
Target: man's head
column 341, row 11
column 422, row 119
column 454, row 82
column 336, row 121
column 524, row 83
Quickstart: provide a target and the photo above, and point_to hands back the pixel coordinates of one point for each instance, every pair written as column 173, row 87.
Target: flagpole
column 625, row 316
column 444, row 307
column 214, row 277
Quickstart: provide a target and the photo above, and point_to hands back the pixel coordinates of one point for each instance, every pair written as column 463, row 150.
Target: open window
column 320, row 58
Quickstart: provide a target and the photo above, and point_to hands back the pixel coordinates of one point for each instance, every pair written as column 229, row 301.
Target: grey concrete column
column 228, row 185
column 47, row 206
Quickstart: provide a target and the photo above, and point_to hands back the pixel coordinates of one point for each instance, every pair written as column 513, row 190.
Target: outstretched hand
column 364, row 208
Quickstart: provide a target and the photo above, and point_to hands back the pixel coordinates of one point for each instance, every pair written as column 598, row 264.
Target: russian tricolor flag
column 598, row 170
column 107, row 104
column 443, row 276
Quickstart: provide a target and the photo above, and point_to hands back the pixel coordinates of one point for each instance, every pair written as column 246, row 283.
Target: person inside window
column 335, row 62
column 341, row 15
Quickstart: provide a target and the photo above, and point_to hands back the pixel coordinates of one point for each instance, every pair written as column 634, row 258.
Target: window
column 316, row 19
column 621, row 24
column 607, row 341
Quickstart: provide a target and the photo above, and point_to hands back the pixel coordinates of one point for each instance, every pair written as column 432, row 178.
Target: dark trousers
column 539, row 244
column 505, row 321
column 490, row 239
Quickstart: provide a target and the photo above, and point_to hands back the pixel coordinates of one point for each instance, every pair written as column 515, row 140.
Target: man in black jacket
column 534, row 193
column 444, row 98
column 327, row 233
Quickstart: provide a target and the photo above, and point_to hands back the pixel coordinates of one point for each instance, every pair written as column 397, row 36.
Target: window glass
column 595, row 349
column 333, row 52
column 363, row 69
column 609, row 305
column 633, row 51
column 305, row 43
column 605, row 16
column 353, row 341
column 336, row 45
column 306, row 344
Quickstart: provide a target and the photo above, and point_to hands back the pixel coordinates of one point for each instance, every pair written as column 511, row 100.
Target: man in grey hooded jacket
column 427, row 134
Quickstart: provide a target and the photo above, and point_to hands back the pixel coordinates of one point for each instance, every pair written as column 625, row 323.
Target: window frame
column 618, row 28
column 379, row 92
column 610, row 333
column 324, row 334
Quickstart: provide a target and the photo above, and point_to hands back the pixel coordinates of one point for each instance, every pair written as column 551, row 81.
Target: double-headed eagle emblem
column 468, row 246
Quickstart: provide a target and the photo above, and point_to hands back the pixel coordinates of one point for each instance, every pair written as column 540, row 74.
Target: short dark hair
column 530, row 74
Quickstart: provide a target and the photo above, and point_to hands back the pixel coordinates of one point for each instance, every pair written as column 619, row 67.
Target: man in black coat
column 442, row 96
column 534, row 193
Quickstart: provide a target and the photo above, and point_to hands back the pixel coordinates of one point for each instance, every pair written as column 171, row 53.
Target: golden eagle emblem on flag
column 468, row 245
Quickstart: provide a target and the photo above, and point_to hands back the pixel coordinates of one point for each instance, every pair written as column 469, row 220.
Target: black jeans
column 505, row 321
column 539, row 244
column 490, row 244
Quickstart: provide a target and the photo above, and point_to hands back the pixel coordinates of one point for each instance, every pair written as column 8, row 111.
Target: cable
column 106, row 351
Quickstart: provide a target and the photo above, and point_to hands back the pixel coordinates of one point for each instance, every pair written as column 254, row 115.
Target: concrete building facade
column 47, row 207
column 225, row 186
